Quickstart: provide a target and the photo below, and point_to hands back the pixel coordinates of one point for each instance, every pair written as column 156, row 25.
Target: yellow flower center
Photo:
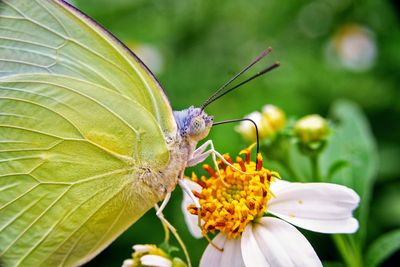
column 230, row 201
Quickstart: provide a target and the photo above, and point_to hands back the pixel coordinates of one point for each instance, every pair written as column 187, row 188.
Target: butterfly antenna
column 239, row 120
column 211, row 98
column 268, row 69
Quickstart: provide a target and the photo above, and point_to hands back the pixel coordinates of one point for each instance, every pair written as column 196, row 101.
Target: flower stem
column 351, row 256
column 286, row 161
column 286, row 164
column 166, row 231
column 315, row 170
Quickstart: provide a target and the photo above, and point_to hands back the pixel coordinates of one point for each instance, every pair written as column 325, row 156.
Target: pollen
column 234, row 196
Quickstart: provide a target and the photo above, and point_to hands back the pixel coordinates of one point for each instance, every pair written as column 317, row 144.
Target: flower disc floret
column 231, row 199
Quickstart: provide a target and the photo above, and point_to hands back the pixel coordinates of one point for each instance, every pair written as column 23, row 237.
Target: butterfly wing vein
column 79, row 118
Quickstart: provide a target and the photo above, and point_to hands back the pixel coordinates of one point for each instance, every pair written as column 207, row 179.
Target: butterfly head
column 193, row 123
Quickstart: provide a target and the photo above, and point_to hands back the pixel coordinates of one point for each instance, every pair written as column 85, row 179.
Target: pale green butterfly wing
column 82, row 122
column 52, row 37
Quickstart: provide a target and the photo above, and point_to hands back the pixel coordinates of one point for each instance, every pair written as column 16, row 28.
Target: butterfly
column 88, row 139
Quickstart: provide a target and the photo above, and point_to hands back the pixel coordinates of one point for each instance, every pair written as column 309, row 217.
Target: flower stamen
column 234, row 197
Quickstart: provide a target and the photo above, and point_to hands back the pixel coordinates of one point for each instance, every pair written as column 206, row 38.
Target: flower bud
column 274, row 116
column 311, row 129
column 248, row 131
column 151, row 255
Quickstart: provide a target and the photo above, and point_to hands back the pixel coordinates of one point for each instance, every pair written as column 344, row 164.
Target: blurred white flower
column 275, row 116
column 155, row 260
column 269, row 121
column 248, row 132
column 354, row 46
column 127, row 263
column 246, row 128
column 148, row 255
column 149, row 54
column 252, row 240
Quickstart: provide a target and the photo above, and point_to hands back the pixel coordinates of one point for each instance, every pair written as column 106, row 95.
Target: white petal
column 319, row 207
column 211, row 256
column 232, row 255
column 155, row 260
column 283, row 245
column 190, row 219
column 246, row 128
column 142, row 248
column 251, row 252
column 127, row 263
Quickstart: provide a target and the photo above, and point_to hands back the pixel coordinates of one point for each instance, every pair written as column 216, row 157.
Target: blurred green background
column 329, row 49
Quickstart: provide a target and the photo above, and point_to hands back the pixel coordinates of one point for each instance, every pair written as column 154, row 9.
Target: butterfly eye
column 197, row 126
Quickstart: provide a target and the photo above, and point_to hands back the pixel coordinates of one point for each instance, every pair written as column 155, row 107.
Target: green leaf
column 353, row 142
column 337, row 166
column 332, row 264
column 382, row 248
column 386, row 208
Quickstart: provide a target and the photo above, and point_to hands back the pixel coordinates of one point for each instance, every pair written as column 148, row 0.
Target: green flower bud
column 311, row 129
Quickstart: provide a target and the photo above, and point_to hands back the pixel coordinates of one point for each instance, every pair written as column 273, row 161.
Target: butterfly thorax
column 193, row 125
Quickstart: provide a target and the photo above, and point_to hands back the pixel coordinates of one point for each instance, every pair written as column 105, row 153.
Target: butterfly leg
column 163, row 204
column 201, row 153
column 186, row 189
column 202, row 148
column 168, row 226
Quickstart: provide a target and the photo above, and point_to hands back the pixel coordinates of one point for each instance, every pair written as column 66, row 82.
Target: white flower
column 155, row 260
column 150, row 55
column 269, row 241
column 127, row 263
column 354, row 47
column 247, row 130
column 275, row 116
column 148, row 255
column 191, row 220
